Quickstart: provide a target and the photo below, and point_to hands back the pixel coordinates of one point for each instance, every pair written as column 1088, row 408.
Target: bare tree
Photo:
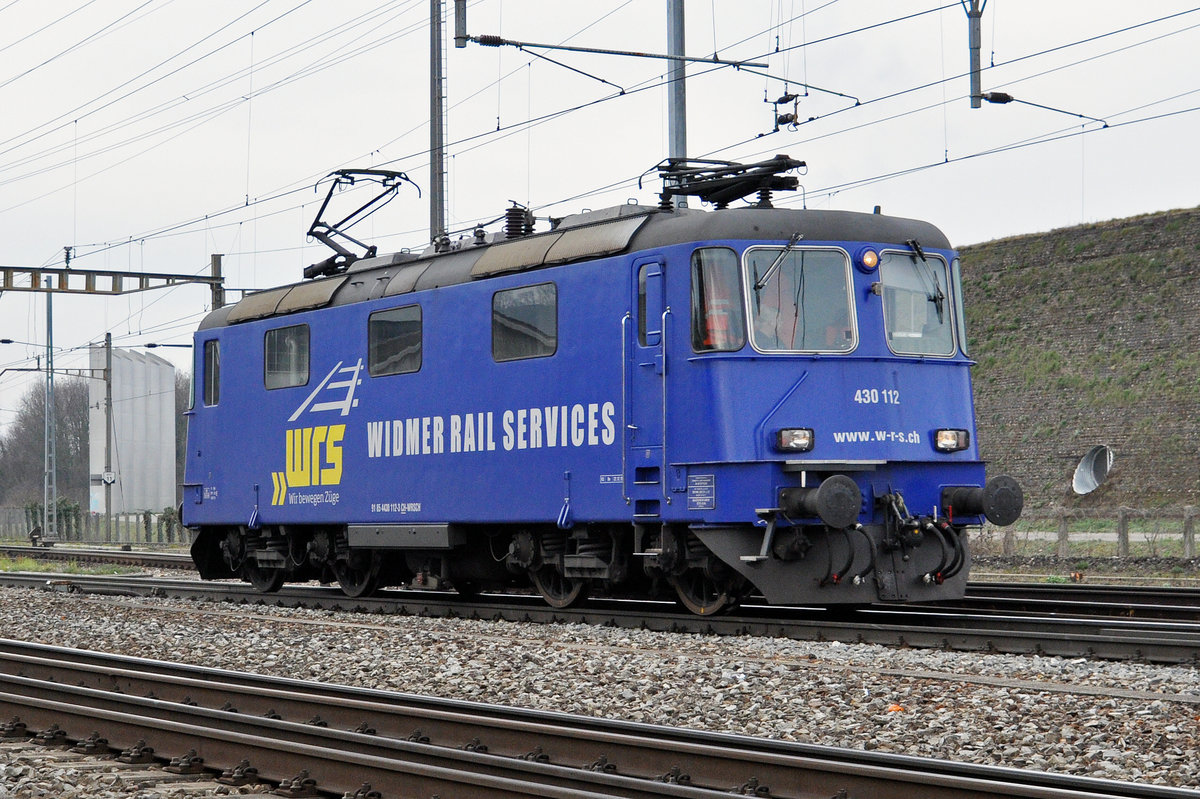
column 22, row 448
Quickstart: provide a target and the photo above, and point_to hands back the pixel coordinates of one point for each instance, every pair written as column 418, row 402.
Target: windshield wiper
column 774, row 267
column 937, row 296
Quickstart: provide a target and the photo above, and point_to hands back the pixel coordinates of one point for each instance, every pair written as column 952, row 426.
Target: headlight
column 951, row 440
column 867, row 260
column 794, row 439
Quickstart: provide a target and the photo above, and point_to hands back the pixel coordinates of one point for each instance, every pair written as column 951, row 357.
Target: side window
column 212, row 372
column 525, row 322
column 956, row 283
column 718, row 321
column 286, row 357
column 394, row 341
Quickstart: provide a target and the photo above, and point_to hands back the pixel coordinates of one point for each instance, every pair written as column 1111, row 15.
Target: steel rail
column 927, row 627
column 279, row 751
column 148, row 559
column 1136, row 601
column 511, row 752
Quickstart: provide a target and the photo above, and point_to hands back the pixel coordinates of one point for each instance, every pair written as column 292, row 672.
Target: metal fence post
column 1189, row 532
column 1123, row 532
column 1064, row 547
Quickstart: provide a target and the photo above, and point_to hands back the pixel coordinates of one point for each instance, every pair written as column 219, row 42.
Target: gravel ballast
column 1122, row 721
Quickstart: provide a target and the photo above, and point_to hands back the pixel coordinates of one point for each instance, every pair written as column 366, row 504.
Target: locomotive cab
column 838, row 371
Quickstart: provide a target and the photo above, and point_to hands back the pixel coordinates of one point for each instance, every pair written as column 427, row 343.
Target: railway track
column 1086, row 599
column 1131, row 601
column 147, row 559
column 334, row 740
column 931, row 627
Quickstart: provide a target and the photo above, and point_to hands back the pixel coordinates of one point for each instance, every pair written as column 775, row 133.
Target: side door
column 645, row 374
column 200, row 461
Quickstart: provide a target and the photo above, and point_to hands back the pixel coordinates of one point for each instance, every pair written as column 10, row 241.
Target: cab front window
column 917, row 312
column 800, row 300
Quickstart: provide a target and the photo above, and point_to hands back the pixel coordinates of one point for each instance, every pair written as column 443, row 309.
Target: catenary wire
column 207, row 218
column 492, row 133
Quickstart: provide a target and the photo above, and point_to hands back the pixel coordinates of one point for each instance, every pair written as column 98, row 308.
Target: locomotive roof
column 582, row 237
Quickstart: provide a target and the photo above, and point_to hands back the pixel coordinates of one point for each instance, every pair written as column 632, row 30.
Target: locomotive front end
column 848, row 419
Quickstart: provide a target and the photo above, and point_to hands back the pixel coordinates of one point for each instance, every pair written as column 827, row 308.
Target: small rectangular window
column 394, row 341
column 212, row 372
column 286, row 361
column 650, row 304
column 525, row 322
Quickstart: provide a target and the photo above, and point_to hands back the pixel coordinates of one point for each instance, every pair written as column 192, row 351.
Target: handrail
column 624, row 405
column 663, row 348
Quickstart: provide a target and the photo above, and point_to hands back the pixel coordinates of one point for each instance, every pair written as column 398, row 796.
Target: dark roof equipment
column 722, row 182
column 324, row 232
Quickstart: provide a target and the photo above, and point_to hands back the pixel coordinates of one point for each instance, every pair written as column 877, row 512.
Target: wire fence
column 1068, row 533
column 145, row 528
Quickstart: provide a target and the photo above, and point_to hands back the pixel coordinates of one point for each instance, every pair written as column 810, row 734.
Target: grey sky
column 147, row 135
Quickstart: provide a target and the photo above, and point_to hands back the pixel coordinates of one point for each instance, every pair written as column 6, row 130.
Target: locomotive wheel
column 702, row 594
column 264, row 579
column 359, row 574
column 558, row 590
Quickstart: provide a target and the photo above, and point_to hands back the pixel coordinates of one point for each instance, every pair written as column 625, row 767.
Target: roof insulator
column 518, row 221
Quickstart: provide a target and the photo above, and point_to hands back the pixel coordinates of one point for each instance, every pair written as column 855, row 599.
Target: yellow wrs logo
column 314, row 458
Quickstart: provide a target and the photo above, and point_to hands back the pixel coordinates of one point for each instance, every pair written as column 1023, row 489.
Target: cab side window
column 718, row 319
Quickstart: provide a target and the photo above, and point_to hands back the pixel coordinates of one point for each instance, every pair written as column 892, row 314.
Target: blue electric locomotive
column 749, row 401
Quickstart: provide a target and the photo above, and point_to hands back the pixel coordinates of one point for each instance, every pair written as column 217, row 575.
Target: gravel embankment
column 1120, row 721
